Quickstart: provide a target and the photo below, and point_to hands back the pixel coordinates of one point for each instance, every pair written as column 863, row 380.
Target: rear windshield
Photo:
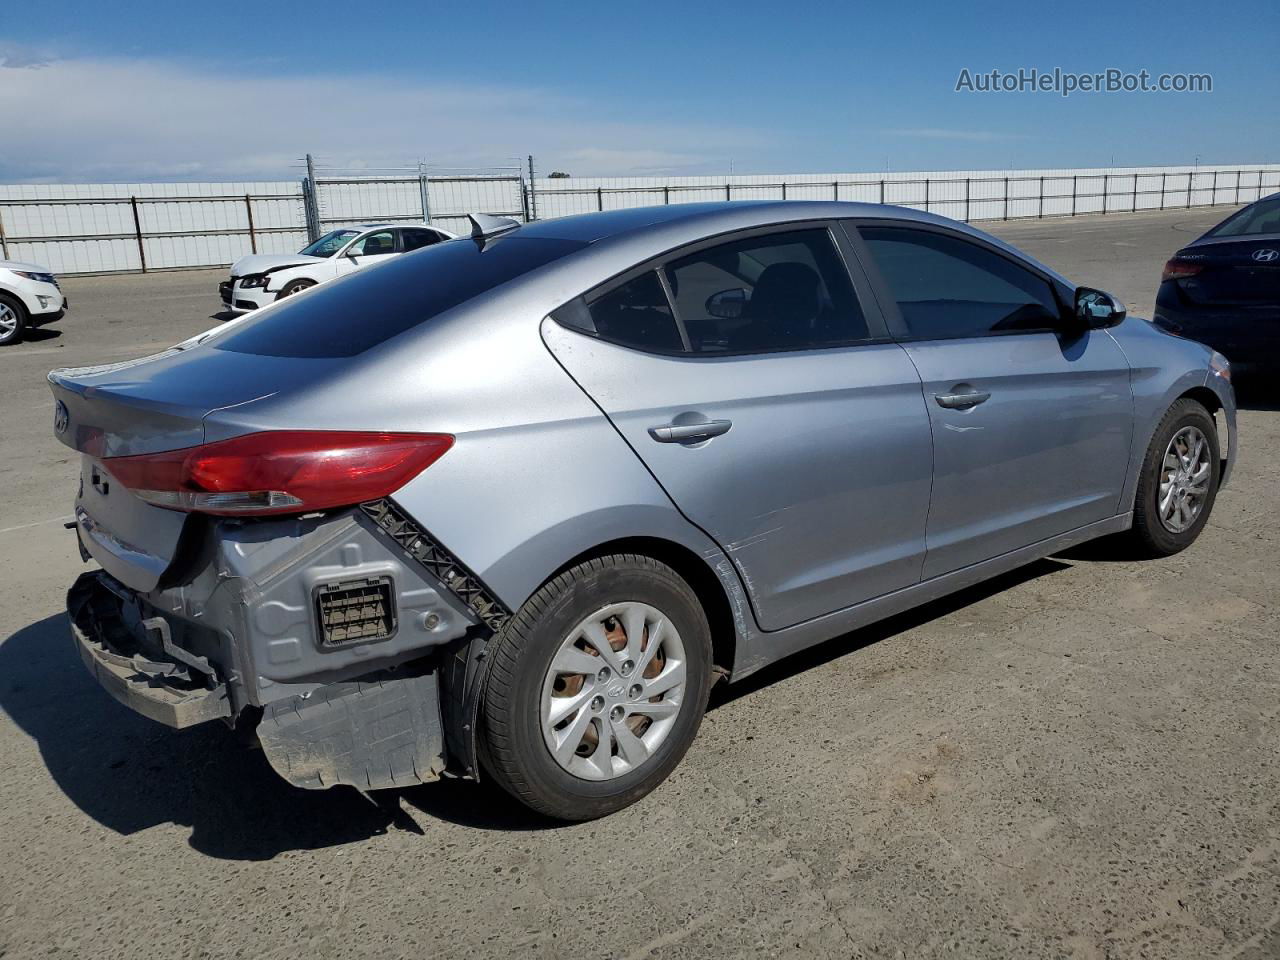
column 348, row 316
column 1262, row 217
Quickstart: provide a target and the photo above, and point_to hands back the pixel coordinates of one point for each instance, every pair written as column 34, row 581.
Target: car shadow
column 222, row 316
column 41, row 334
column 129, row 773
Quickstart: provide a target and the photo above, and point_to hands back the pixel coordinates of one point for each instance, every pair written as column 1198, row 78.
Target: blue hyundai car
column 1223, row 289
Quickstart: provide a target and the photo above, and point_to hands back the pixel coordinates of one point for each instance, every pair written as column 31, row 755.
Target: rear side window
column 780, row 291
column 948, row 287
column 637, row 314
column 416, row 239
column 363, row 309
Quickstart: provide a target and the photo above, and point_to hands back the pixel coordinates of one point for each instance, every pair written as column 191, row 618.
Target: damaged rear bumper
column 248, row 637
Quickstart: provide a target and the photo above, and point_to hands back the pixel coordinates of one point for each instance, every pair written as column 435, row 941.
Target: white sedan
column 262, row 278
column 29, row 297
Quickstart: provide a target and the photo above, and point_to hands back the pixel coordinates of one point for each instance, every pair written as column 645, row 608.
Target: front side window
column 780, row 291
column 948, row 287
column 329, row 244
column 374, row 245
column 1262, row 217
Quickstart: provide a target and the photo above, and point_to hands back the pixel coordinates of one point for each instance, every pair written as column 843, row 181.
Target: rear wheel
column 596, row 687
column 13, row 320
column 295, row 286
column 1179, row 481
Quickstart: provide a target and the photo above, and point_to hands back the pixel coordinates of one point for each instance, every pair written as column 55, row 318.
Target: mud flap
column 380, row 731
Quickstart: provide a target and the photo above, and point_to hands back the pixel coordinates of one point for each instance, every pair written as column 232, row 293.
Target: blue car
column 1224, row 288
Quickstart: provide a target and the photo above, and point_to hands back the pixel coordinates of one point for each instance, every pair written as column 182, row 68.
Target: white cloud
column 123, row 119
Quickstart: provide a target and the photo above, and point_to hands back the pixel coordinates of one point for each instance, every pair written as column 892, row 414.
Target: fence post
column 248, row 211
column 926, row 194
column 599, row 198
column 424, row 192
column 310, row 203
column 1040, row 210
column 882, row 192
column 533, row 192
column 1237, row 186
column 1135, row 193
column 137, row 232
column 835, row 191
column 1213, row 200
column 666, row 195
column 727, row 194
column 1074, row 178
column 1004, row 214
column 1106, row 190
column 4, row 244
column 784, row 190
column 966, row 199
column 1163, row 177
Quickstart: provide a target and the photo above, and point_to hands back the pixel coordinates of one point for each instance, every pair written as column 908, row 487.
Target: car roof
column 671, row 225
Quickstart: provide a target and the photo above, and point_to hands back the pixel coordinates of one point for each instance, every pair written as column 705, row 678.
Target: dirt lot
column 1081, row 759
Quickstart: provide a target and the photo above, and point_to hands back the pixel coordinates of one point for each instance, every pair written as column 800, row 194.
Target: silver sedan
column 507, row 506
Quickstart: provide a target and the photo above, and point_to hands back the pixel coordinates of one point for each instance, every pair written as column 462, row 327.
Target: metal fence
column 96, row 228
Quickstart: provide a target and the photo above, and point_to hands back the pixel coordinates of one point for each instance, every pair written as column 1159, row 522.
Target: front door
column 767, row 414
column 1031, row 421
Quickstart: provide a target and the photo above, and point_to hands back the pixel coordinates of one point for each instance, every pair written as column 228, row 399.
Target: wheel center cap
column 616, row 691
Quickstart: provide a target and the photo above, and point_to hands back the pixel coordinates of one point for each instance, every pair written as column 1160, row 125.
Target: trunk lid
column 151, row 405
column 1235, row 271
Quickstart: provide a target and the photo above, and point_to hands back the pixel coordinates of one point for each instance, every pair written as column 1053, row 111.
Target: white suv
column 262, row 278
column 29, row 297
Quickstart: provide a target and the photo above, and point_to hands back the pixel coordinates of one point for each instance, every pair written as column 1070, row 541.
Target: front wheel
column 1179, row 481
column 596, row 687
column 294, row 286
column 13, row 319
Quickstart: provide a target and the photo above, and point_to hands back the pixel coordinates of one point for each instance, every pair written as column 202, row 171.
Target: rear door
column 1031, row 425
column 763, row 394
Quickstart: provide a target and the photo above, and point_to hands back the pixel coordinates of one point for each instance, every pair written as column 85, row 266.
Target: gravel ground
column 1080, row 759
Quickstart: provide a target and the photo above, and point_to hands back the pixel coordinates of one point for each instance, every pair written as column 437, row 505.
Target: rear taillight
column 1176, row 269
column 285, row 471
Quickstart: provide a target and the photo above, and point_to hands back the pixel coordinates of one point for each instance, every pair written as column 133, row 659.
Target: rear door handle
column 685, row 432
column 961, row 401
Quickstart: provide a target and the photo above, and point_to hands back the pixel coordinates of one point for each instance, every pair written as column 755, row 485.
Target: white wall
column 95, row 231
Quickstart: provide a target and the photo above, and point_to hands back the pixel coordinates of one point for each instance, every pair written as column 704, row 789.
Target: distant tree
column 557, row 175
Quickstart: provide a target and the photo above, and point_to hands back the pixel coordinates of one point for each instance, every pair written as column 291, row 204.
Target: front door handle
column 689, row 432
column 962, row 401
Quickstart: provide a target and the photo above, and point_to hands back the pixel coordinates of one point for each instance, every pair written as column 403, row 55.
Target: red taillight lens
column 285, row 471
column 1176, row 269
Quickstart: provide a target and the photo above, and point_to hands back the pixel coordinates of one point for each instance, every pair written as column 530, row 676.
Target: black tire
column 512, row 749
column 1149, row 536
column 294, row 286
column 20, row 312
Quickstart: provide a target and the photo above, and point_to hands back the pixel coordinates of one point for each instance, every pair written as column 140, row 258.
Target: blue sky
column 100, row 91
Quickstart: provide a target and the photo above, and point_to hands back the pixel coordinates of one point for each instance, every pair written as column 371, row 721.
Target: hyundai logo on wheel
column 1266, row 256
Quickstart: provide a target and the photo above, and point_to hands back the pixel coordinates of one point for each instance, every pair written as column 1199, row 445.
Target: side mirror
column 727, row 304
column 1096, row 308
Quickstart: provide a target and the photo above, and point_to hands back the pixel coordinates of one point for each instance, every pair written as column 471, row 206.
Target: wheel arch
column 697, row 572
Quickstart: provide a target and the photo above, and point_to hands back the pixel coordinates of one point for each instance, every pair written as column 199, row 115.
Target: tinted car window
column 637, row 314
column 949, row 287
column 416, row 239
column 348, row 316
column 1262, row 217
column 781, row 291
